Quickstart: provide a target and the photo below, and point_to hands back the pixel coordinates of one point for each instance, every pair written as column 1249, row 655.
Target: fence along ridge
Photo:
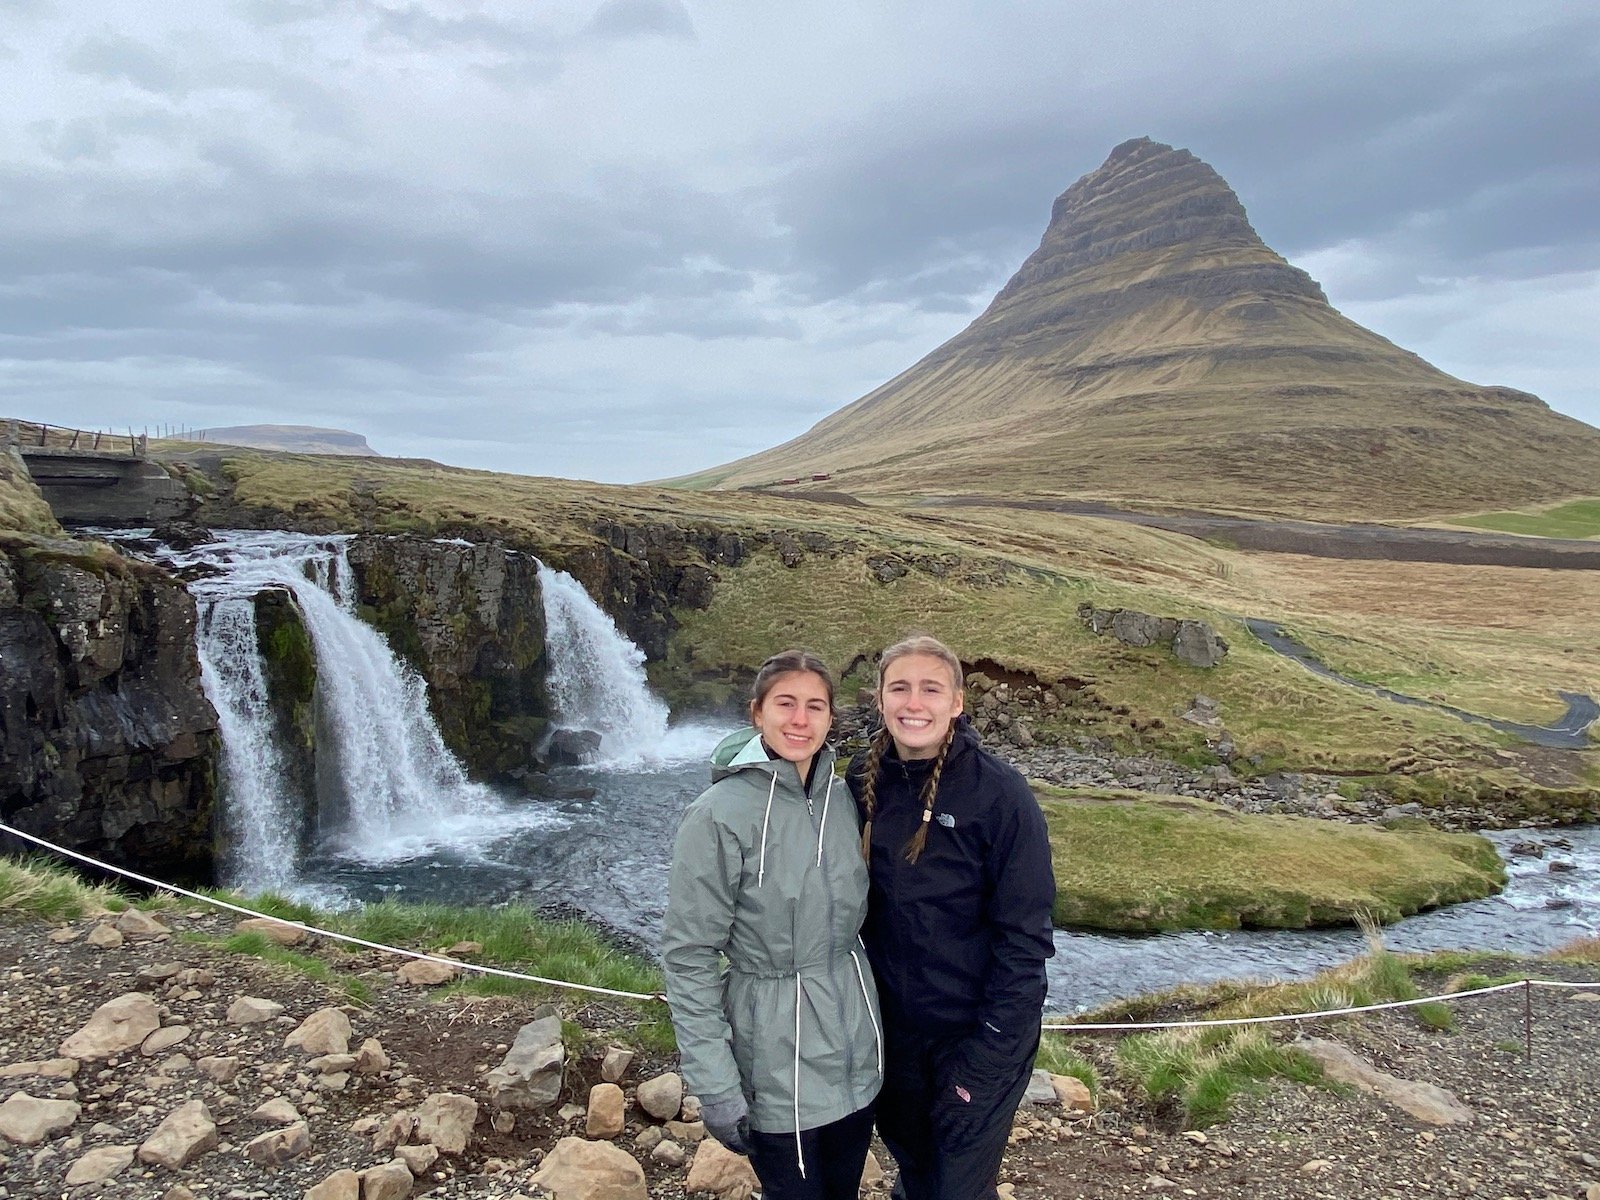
column 37, row 434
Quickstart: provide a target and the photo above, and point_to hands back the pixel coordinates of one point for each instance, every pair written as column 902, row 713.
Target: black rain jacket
column 958, row 940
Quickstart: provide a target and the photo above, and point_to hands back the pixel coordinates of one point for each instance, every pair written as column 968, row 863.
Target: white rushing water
column 387, row 786
column 260, row 822
column 597, row 682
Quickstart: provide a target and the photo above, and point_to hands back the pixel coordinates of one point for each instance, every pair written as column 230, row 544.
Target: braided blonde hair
column 881, row 741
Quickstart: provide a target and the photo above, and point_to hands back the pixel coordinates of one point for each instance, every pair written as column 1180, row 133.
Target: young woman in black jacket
column 958, row 927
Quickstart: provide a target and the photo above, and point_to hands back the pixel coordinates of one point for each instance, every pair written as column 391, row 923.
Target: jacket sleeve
column 1019, row 916
column 702, row 891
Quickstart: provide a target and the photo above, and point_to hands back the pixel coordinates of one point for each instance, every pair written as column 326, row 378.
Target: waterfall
column 596, row 676
column 260, row 823
column 388, row 787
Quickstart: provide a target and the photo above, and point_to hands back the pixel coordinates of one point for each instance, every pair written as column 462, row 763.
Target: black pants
column 930, row 1169
column 834, row 1156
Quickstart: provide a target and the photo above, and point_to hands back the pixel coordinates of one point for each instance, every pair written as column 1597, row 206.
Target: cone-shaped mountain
column 1153, row 348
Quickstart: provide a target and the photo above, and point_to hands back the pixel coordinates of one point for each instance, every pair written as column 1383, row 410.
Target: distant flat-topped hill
column 300, row 439
column 1154, row 349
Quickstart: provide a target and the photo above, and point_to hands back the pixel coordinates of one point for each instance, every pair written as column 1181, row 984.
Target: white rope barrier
column 328, row 933
column 1125, row 1026
column 1048, row 1026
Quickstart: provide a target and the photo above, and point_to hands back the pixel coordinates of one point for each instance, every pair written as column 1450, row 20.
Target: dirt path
column 1327, row 540
column 1536, row 1131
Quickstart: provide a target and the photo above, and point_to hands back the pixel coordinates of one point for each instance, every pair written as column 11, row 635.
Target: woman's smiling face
column 919, row 700
column 794, row 717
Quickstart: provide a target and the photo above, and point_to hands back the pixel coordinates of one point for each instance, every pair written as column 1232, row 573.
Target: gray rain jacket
column 773, row 880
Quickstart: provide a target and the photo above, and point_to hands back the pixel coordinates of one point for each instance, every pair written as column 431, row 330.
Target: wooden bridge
column 95, row 477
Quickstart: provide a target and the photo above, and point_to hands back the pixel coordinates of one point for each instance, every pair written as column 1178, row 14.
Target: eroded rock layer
column 107, row 742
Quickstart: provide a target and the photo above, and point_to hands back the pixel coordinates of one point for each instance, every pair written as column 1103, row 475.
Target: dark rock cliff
column 469, row 618
column 107, row 742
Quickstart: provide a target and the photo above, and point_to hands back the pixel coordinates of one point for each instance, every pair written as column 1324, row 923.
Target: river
column 394, row 814
column 607, row 854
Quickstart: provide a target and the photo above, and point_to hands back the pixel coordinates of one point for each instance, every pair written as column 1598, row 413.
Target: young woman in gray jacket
column 771, row 994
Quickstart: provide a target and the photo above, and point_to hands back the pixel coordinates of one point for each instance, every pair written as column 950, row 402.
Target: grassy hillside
column 1574, row 519
column 1153, row 350
column 22, row 508
column 1004, row 586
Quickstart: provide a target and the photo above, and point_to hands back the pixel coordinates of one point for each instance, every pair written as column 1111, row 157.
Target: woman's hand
column 729, row 1122
column 971, row 1083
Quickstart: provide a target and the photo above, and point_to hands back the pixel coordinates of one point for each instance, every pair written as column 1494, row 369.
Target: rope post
column 1527, row 1021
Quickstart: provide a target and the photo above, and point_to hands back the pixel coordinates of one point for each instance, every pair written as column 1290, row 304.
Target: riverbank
column 286, row 1118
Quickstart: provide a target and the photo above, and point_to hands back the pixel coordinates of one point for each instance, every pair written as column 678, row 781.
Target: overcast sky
column 628, row 239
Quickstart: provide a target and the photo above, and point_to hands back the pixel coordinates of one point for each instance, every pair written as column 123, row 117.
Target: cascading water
column 388, row 787
column 596, row 676
column 600, row 835
column 260, row 823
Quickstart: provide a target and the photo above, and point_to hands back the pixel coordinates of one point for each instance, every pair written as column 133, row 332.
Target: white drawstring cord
column 799, row 1152
column 871, row 1016
column 823, row 824
column 761, row 869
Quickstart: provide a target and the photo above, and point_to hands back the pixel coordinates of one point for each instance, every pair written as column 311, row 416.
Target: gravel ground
column 1536, row 1132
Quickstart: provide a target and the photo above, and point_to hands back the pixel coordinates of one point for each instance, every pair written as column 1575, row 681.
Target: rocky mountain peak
column 1147, row 198
column 1155, row 349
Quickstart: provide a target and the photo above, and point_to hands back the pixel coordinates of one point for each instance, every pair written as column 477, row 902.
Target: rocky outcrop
column 107, row 742
column 640, row 572
column 289, row 665
column 22, row 506
column 1193, row 642
column 469, row 618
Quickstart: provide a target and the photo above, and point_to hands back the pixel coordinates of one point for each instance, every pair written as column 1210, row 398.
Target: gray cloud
column 612, row 241
column 620, row 19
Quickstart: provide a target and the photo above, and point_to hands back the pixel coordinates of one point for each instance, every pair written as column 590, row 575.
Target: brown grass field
column 1004, row 585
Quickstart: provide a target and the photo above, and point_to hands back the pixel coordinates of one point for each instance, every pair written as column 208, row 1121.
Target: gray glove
column 729, row 1122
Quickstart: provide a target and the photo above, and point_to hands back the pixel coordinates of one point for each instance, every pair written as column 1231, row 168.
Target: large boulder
column 186, row 1133
column 446, row 1120
column 570, row 747
column 326, row 1031
column 607, row 1111
column 116, row 1026
column 530, row 1074
column 1426, row 1102
column 580, row 1170
column 26, row 1120
column 662, row 1096
column 717, row 1169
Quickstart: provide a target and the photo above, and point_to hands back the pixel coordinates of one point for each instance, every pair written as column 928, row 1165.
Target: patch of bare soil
column 1535, row 1132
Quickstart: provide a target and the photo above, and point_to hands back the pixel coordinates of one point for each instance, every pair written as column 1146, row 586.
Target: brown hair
column 784, row 663
column 881, row 741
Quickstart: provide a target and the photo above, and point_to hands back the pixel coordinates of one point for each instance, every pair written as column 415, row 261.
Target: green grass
column 1199, row 1072
column 23, row 508
column 1057, row 1056
column 513, row 937
column 1576, row 519
column 257, row 945
column 1135, row 863
column 1004, row 585
column 37, row 887
column 1436, row 1015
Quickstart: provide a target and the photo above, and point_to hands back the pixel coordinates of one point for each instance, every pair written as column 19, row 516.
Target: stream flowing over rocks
column 139, row 1059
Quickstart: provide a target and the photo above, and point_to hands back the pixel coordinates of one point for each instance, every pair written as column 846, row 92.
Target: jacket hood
column 743, row 749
